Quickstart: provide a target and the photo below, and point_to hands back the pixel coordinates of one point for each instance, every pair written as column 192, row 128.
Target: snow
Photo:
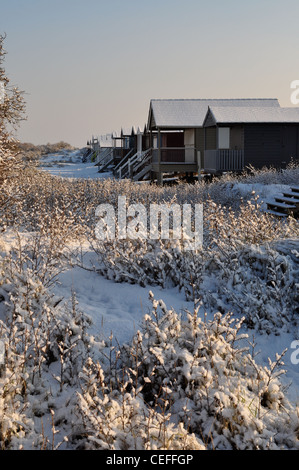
column 268, row 346
column 69, row 165
column 264, row 191
column 114, row 307
column 119, row 308
column 251, row 114
column 192, row 112
column 106, row 141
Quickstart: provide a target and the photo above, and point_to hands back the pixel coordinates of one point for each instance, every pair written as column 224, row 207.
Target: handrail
column 130, row 163
column 102, row 155
column 123, row 160
column 125, row 164
column 105, row 158
column 224, row 160
column 120, row 169
column 184, row 147
column 145, row 158
column 187, row 154
column 106, row 164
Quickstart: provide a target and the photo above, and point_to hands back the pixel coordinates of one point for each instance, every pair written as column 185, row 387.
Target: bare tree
column 12, row 112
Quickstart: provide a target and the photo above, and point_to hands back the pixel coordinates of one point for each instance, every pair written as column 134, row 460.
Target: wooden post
column 199, row 165
column 204, row 148
column 159, row 147
column 139, row 142
column 130, row 169
column 160, row 175
column 160, row 178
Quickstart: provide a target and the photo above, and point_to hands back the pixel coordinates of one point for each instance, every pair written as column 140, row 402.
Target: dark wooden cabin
column 178, row 138
column 246, row 136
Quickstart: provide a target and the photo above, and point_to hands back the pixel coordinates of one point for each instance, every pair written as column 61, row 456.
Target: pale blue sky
column 92, row 66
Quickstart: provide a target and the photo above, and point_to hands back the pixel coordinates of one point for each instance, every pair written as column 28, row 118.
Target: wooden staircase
column 105, row 160
column 117, row 169
column 285, row 205
column 136, row 167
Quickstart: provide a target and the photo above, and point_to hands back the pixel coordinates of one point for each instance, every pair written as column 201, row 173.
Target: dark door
column 270, row 144
column 289, row 143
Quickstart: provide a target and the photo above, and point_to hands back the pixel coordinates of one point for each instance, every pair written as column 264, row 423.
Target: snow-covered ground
column 68, row 164
column 265, row 192
column 114, row 307
column 118, row 308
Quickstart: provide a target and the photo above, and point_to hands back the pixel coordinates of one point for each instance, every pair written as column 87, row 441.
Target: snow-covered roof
column 116, row 134
column 229, row 114
column 134, row 130
column 140, row 129
column 127, row 131
column 105, row 140
column 192, row 112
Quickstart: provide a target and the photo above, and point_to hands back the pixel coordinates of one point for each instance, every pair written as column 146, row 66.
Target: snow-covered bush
column 46, row 345
column 288, row 176
column 258, row 282
column 145, row 262
column 117, row 418
column 182, row 383
column 15, row 424
column 247, row 265
column 197, row 370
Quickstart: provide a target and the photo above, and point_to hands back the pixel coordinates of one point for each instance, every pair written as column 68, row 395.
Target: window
column 223, row 137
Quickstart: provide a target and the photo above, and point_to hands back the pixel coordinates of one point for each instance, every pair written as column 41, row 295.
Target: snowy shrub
column 242, row 266
column 46, row 345
column 140, row 261
column 28, row 193
column 288, row 176
column 14, row 422
column 183, row 382
column 258, row 282
column 117, row 418
column 209, row 382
